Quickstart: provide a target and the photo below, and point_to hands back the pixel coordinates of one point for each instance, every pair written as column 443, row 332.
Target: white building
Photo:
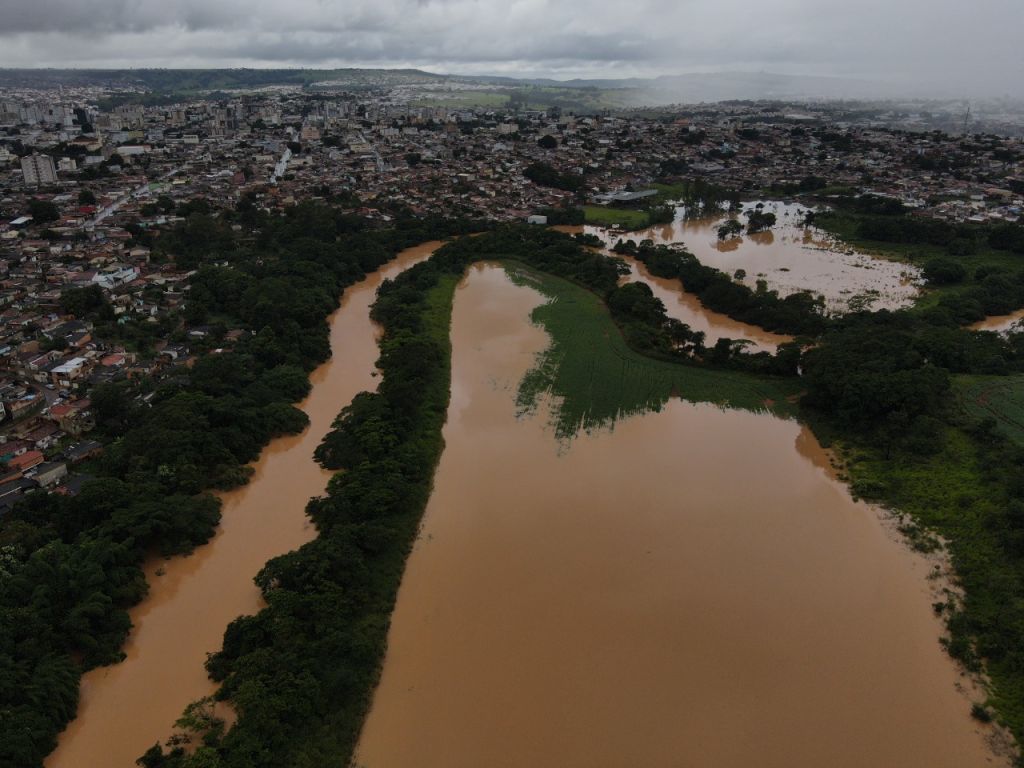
column 38, row 169
column 115, row 275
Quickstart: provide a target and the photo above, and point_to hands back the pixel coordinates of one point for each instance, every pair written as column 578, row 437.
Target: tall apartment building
column 38, row 169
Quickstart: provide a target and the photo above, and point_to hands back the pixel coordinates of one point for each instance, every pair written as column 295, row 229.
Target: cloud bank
column 971, row 47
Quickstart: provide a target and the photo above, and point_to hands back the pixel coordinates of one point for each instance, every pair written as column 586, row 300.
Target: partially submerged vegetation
column 300, row 673
column 875, row 385
column 595, row 377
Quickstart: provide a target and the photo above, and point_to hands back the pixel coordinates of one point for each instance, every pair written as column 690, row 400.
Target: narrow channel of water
column 692, row 588
column 998, row 323
column 687, row 308
column 128, row 707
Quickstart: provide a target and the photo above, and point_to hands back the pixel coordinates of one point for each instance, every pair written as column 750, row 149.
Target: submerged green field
column 594, row 378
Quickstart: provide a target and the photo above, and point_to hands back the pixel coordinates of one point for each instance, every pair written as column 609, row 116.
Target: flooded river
column 790, row 257
column 128, row 707
column 692, row 588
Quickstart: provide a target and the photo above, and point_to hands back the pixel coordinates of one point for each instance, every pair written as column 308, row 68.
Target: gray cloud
column 939, row 42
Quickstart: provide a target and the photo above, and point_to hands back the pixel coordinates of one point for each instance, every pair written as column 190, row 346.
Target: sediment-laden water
column 128, row 707
column 691, row 588
column 790, row 257
column 999, row 323
column 687, row 308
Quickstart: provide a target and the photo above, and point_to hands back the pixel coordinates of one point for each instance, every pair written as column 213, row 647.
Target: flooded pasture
column 687, row 308
column 790, row 257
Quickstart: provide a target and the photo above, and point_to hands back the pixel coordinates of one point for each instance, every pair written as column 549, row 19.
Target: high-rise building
column 38, row 169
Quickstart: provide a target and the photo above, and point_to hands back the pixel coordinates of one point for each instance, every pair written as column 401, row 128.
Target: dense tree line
column 887, row 220
column 548, row 176
column 70, row 567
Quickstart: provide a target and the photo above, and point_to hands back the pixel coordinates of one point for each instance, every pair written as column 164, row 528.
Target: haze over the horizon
column 937, row 46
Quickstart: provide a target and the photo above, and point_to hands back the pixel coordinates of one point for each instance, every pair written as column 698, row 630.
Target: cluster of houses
column 84, row 189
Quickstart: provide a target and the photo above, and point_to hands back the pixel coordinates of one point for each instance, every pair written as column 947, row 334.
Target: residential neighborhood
column 90, row 177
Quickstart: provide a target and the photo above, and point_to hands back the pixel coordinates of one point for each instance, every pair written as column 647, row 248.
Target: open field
column 595, row 378
column 997, row 397
column 603, row 216
column 463, row 99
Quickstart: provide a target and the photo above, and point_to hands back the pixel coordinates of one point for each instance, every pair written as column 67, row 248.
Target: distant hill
column 689, row 88
column 190, row 80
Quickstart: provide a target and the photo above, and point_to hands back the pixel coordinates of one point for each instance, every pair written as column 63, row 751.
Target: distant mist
column 947, row 48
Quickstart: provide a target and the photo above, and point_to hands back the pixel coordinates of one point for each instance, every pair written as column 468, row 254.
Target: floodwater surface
column 690, row 588
column 128, row 707
column 790, row 257
column 687, row 308
column 999, row 323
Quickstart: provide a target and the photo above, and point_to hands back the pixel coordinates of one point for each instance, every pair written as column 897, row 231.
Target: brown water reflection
column 791, row 257
column 999, row 323
column 687, row 308
column 690, row 589
column 128, row 707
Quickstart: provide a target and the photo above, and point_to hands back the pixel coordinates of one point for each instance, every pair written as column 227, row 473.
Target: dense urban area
column 152, row 342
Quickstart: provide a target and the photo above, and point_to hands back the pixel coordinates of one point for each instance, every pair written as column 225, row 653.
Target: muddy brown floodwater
column 998, row 323
column 128, row 707
column 687, row 308
column 791, row 257
column 691, row 588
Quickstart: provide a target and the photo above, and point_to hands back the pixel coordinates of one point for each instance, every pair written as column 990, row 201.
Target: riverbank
column 128, row 707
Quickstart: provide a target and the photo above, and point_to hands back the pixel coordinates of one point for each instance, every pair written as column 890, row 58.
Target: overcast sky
column 963, row 43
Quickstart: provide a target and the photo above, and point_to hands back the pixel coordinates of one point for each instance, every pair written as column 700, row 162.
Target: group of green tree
column 71, row 566
column 546, row 175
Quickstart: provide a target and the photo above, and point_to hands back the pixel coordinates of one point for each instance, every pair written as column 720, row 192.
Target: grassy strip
column 596, row 378
column 603, row 216
column 956, row 494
